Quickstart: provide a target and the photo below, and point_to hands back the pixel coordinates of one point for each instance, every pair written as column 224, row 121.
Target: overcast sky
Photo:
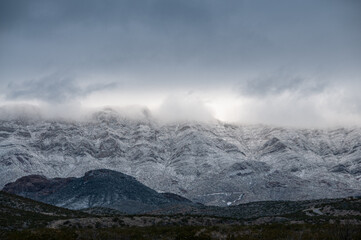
column 282, row 62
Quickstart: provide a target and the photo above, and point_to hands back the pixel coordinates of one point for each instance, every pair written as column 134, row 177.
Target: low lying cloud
column 44, row 111
column 186, row 107
column 335, row 106
column 20, row 111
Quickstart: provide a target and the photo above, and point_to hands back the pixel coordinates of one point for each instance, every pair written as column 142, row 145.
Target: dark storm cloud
column 165, row 37
column 101, row 36
column 49, row 15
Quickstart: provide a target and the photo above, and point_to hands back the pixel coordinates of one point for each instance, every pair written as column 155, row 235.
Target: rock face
column 212, row 163
column 97, row 188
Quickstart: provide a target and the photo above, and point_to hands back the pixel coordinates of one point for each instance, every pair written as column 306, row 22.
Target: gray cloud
column 184, row 37
column 52, row 89
column 280, row 82
column 162, row 45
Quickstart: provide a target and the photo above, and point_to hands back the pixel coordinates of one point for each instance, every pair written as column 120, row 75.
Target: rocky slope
column 213, row 163
column 97, row 188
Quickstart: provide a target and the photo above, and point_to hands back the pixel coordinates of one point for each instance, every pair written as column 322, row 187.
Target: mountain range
column 213, row 163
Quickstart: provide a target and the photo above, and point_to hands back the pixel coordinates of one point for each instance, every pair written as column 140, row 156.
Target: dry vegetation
column 272, row 231
column 22, row 218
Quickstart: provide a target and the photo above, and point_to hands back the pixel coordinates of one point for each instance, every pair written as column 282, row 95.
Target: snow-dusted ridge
column 196, row 160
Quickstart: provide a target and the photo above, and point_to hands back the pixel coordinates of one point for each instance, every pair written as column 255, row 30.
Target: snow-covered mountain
column 213, row 163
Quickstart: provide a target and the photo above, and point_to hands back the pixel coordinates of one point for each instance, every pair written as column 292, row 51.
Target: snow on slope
column 213, row 163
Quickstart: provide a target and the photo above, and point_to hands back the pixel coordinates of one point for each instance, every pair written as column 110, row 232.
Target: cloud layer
column 274, row 62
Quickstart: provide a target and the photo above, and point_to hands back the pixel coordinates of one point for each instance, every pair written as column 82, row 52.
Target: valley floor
column 331, row 219
column 272, row 231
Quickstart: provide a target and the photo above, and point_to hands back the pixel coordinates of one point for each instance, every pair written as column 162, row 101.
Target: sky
column 281, row 62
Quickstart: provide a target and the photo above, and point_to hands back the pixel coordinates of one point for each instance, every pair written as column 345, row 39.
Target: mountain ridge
column 212, row 163
column 97, row 188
